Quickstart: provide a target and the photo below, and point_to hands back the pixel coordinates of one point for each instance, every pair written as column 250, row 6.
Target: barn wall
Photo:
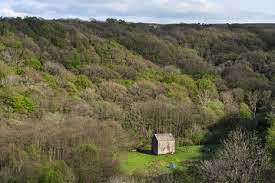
column 166, row 147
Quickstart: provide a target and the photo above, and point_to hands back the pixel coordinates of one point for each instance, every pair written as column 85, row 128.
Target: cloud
column 161, row 11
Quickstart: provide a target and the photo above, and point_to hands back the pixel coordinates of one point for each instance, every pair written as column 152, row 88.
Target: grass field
column 141, row 163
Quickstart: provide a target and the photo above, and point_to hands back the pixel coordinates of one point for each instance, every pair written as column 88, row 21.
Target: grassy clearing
column 140, row 163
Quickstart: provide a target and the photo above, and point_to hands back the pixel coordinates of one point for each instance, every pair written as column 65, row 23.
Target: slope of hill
column 76, row 94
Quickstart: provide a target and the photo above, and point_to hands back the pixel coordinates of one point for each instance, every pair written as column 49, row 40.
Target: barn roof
column 164, row 137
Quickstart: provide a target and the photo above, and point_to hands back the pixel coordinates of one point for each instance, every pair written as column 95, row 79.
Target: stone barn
column 163, row 144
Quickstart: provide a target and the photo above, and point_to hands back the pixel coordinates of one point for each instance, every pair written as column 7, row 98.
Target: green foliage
column 188, row 83
column 84, row 148
column 5, row 70
column 207, row 91
column 56, row 172
column 70, row 88
column 271, row 139
column 107, row 110
column 170, row 78
column 19, row 70
column 75, row 60
column 51, row 80
column 152, row 74
column 11, row 40
column 199, row 136
column 205, row 84
column 218, row 107
column 34, row 63
column 2, row 46
column 138, row 89
column 34, row 151
column 177, row 92
column 245, row 111
column 82, row 82
column 20, row 103
column 125, row 82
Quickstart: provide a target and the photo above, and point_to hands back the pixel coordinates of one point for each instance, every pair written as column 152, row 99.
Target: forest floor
column 137, row 163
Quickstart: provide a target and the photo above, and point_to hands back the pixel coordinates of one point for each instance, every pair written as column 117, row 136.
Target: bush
column 52, row 68
column 152, row 74
column 51, row 80
column 124, row 82
column 92, row 148
column 114, row 92
column 20, row 103
column 11, row 40
column 2, row 46
column 106, row 110
column 34, row 63
column 245, row 112
column 73, row 60
column 199, row 136
column 97, row 73
column 177, row 92
column 218, row 108
column 56, row 172
column 127, row 72
column 271, row 139
column 207, row 91
column 82, row 82
column 4, row 70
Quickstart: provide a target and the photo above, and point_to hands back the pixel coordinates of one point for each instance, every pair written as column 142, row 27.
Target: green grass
column 140, row 163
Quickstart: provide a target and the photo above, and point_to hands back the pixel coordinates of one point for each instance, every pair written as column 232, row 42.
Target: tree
column 242, row 160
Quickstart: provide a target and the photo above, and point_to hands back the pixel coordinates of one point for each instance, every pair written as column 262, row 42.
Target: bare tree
column 242, row 160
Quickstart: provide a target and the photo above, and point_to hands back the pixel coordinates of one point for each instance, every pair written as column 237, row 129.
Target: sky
column 151, row 11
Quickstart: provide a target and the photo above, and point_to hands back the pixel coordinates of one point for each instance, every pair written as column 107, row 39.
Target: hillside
column 74, row 94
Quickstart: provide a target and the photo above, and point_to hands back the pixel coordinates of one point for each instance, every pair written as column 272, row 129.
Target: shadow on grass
column 144, row 151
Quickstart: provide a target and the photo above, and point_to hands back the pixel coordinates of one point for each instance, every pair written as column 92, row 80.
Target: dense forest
column 76, row 94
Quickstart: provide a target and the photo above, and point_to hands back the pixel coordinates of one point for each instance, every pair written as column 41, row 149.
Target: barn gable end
column 163, row 144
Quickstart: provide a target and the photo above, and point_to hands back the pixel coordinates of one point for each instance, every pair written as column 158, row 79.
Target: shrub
column 127, row 72
column 245, row 112
column 114, row 92
column 146, row 89
column 4, row 70
column 88, row 148
column 106, row 110
column 34, row 63
column 271, row 139
column 11, row 40
column 70, row 88
column 51, row 80
column 2, row 46
column 52, row 68
column 97, row 73
column 152, row 74
column 56, row 172
column 199, row 136
column 34, row 151
column 177, row 92
column 125, row 82
column 218, row 107
column 20, row 103
column 82, row 82
column 74, row 60
column 89, row 95
column 207, row 90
